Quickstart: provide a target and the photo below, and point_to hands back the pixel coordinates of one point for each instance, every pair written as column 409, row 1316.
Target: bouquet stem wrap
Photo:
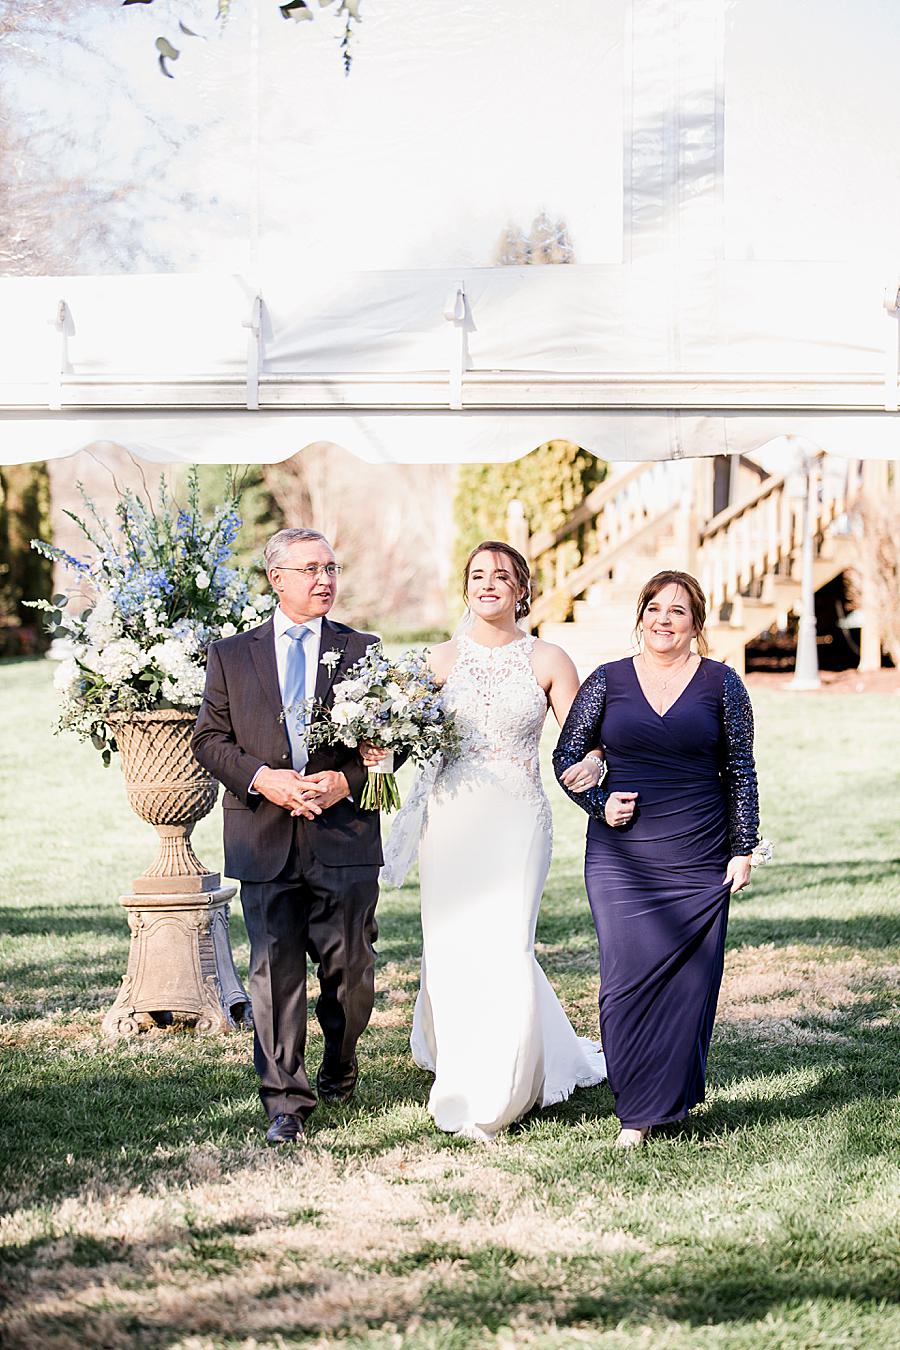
column 381, row 792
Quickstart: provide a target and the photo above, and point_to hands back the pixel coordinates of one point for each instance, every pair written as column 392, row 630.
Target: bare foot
column 632, row 1138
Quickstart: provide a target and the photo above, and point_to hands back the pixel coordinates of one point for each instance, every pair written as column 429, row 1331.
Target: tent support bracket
column 891, row 346
column 253, row 324
column 59, row 364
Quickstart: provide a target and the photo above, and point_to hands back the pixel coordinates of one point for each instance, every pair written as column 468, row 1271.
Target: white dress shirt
column 311, row 645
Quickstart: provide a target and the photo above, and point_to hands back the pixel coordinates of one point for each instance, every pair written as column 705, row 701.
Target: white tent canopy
column 677, row 330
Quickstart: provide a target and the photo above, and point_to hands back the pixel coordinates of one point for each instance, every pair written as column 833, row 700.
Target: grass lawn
column 141, row 1208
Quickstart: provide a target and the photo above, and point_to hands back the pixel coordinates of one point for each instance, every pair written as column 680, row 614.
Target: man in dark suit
column 305, row 853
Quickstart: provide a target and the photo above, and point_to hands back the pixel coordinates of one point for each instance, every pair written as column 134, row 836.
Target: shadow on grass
column 129, row 1111
column 880, row 928
column 65, row 921
column 854, row 1060
column 476, row 1289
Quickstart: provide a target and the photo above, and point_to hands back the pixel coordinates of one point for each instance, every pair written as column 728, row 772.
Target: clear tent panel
column 661, row 228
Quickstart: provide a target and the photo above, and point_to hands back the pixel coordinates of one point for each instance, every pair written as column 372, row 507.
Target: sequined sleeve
column 580, row 734
column 739, row 768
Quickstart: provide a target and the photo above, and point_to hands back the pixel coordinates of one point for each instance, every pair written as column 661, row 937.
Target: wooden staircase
column 652, row 516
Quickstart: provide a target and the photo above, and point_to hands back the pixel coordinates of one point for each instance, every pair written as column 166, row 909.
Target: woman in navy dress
column 669, row 840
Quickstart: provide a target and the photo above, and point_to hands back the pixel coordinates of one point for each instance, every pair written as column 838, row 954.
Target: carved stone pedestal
column 180, row 967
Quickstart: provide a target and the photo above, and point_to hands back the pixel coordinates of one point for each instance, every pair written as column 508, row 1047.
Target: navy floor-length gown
column 657, row 886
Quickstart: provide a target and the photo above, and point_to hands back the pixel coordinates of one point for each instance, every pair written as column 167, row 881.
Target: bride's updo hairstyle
column 696, row 599
column 518, row 565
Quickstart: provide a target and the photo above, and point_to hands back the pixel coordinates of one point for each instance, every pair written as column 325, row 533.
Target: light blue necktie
column 295, row 694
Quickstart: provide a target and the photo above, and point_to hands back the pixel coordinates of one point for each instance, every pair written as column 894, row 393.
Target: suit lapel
column 332, row 640
column 262, row 649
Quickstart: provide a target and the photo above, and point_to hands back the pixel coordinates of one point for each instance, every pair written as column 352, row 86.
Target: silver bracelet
column 602, row 764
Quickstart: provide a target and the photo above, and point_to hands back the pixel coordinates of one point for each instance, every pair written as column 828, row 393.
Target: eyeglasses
column 315, row 569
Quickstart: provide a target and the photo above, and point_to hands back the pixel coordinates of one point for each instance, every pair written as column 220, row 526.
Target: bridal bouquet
column 156, row 592
column 395, row 705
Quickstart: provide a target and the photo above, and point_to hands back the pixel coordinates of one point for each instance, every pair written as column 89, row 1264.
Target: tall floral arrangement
column 157, row 591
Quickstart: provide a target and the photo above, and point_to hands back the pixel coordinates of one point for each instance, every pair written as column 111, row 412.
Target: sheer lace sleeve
column 579, row 735
column 739, row 767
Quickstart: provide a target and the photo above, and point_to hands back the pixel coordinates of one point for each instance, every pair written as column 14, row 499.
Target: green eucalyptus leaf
column 59, row 600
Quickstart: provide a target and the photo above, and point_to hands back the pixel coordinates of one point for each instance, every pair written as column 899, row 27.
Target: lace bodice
column 500, row 712
column 500, row 707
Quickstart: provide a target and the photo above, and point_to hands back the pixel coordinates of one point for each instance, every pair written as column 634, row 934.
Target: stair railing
column 606, row 521
column 746, row 544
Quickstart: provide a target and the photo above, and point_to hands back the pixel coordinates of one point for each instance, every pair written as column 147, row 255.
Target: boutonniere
column 330, row 660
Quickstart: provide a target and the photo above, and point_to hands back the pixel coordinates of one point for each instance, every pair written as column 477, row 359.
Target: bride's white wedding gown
column 487, row 1022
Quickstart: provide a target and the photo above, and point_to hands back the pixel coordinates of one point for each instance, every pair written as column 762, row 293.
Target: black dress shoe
column 285, row 1129
column 337, row 1082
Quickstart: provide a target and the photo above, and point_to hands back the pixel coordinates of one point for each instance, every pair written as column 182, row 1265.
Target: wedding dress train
column 487, row 1022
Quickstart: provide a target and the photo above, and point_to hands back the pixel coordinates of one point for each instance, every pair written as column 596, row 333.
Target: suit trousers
column 329, row 913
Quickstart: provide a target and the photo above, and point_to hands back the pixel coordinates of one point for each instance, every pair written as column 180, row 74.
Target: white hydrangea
column 103, row 624
column 119, row 660
column 186, row 687
column 171, row 655
column 183, row 676
column 228, row 630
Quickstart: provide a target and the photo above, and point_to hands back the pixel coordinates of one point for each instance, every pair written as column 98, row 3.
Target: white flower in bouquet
column 171, row 655
column 345, row 712
column 398, row 700
column 65, row 677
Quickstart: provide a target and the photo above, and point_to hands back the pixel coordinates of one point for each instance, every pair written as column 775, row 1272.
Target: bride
column 487, row 1023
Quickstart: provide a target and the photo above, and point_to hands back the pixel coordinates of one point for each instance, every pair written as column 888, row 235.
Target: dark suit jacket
column 240, row 728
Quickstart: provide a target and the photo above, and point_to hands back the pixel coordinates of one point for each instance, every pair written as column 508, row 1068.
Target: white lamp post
column 804, row 483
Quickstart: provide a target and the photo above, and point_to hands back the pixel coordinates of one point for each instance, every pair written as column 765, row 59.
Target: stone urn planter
column 180, row 966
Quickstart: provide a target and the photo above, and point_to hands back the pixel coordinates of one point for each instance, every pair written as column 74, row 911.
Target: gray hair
column 277, row 549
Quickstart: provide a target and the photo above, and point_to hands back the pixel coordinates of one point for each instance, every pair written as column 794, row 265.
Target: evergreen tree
column 24, row 574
